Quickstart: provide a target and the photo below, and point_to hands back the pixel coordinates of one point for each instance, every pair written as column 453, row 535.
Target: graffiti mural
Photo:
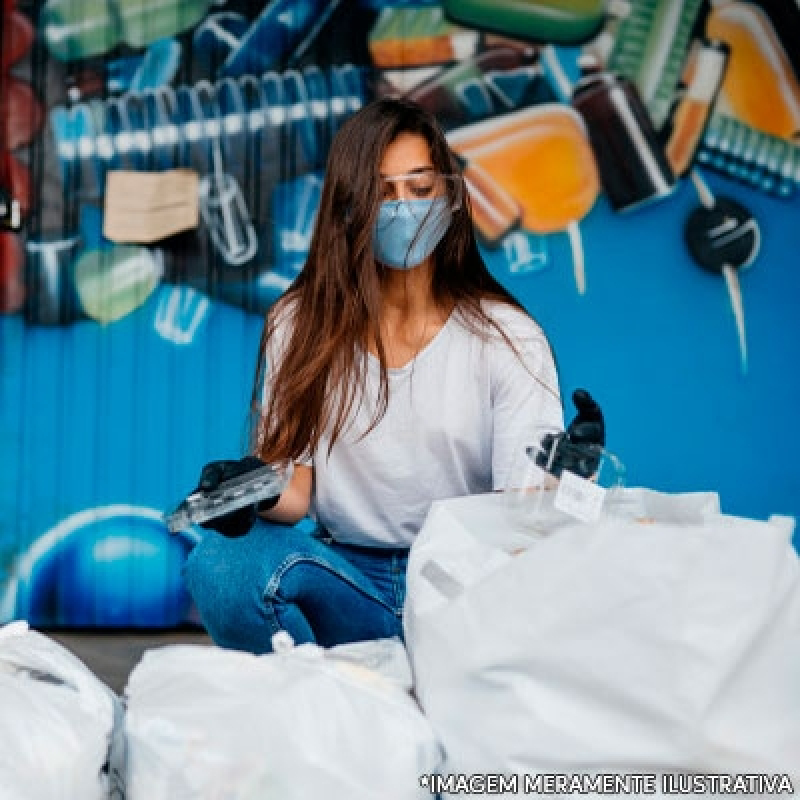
column 633, row 170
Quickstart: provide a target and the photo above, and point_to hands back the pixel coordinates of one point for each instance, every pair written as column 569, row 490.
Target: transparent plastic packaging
column 231, row 495
column 555, row 482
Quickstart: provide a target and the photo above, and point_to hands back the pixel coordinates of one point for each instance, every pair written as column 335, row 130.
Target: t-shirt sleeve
column 274, row 351
column 524, row 390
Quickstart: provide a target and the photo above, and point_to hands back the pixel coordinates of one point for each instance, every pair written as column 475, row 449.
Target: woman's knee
column 221, row 573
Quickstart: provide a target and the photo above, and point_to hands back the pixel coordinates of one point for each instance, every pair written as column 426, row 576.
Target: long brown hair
column 335, row 303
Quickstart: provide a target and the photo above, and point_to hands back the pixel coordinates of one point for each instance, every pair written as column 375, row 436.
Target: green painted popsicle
column 566, row 22
column 111, row 283
column 75, row 29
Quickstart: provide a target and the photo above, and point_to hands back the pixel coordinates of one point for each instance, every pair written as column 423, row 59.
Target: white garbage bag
column 56, row 722
column 304, row 722
column 664, row 640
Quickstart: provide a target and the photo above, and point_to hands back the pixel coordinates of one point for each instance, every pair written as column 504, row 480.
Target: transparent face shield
column 417, row 189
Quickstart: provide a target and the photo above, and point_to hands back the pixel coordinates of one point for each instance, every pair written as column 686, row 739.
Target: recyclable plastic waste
column 663, row 638
column 58, row 723
column 301, row 722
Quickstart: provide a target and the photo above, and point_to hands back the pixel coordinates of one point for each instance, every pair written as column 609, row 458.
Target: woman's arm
column 525, row 391
column 295, row 499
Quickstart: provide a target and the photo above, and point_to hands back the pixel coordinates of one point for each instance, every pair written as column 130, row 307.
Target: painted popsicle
column 705, row 74
column 408, row 37
column 494, row 211
column 650, row 46
column 760, row 86
column 556, row 21
column 75, row 29
column 541, row 157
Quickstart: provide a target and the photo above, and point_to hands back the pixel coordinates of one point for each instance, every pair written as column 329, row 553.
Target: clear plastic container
column 554, row 482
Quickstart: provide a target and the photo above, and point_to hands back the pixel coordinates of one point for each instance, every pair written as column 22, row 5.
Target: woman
column 394, row 372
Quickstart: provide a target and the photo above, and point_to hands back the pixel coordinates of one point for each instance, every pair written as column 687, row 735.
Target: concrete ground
column 111, row 655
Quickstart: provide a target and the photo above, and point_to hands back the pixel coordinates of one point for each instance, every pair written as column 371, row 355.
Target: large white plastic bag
column 56, row 721
column 207, row 723
column 623, row 646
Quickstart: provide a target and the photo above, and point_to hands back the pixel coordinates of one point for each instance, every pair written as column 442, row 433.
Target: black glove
column 579, row 450
column 588, row 427
column 238, row 522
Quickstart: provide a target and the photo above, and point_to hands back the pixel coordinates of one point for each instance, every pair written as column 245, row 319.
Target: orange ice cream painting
column 760, row 86
column 541, row 157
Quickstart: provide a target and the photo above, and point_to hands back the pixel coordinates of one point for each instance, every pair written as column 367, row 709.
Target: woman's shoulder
column 514, row 321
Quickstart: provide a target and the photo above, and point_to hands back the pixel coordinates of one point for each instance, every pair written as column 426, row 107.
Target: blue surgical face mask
column 407, row 231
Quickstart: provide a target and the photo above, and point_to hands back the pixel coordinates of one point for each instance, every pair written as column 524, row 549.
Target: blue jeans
column 282, row 578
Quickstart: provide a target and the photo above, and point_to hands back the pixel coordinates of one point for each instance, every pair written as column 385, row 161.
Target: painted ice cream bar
column 540, row 157
column 75, row 29
column 556, row 21
column 494, row 211
column 760, row 86
column 113, row 282
column 413, row 37
column 497, row 80
column 650, row 46
column 705, row 72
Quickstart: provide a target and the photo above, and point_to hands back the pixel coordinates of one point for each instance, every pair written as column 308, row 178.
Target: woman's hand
column 589, row 426
column 579, row 449
column 239, row 522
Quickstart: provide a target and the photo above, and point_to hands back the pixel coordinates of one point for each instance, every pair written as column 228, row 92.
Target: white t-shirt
column 456, row 415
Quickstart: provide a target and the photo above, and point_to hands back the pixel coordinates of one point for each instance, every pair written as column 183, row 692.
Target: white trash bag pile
column 205, row 723
column 301, row 723
column 663, row 639
column 60, row 727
